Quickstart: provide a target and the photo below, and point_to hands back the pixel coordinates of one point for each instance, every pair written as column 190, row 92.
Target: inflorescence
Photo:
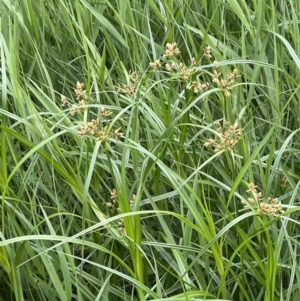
column 97, row 127
column 269, row 206
column 228, row 138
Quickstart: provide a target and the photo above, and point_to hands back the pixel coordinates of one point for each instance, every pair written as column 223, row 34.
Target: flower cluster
column 90, row 127
column 224, row 84
column 173, row 65
column 207, row 52
column 113, row 204
column 283, row 181
column 197, row 87
column 113, row 195
column 193, row 75
column 270, row 206
column 95, row 127
column 80, row 92
column 228, row 138
column 155, row 65
column 171, row 50
column 98, row 131
column 128, row 89
column 113, row 199
column 81, row 97
column 133, row 199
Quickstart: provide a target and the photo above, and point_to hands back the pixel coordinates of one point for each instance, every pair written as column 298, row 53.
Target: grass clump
column 149, row 150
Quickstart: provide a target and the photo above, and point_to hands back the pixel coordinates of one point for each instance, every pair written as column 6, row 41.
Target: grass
column 133, row 168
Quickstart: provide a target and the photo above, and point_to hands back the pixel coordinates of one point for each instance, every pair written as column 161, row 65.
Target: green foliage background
column 186, row 234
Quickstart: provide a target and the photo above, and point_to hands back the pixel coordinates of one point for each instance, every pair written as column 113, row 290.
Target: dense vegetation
column 149, row 150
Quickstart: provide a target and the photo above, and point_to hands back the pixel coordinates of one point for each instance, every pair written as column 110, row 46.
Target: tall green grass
column 159, row 202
